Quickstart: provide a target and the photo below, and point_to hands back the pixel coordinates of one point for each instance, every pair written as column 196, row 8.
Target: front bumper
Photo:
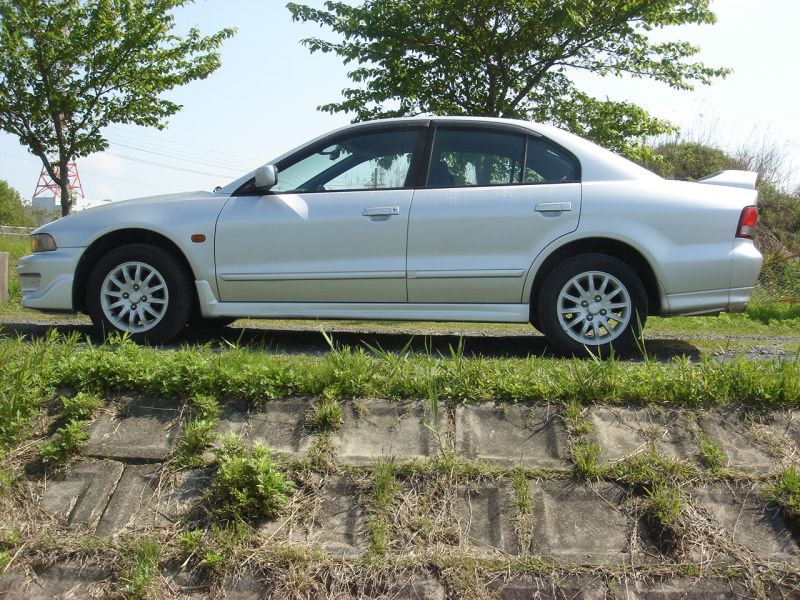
column 45, row 279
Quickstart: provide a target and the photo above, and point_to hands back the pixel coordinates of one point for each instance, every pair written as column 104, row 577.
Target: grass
column 198, row 431
column 25, row 386
column 585, row 453
column 663, row 507
column 190, row 541
column 384, row 489
column 17, row 246
column 585, row 458
column 786, row 492
column 326, row 415
column 198, row 434
column 249, row 486
column 67, row 442
column 384, row 484
column 354, row 373
column 140, row 573
column 650, row 469
column 75, row 414
column 522, row 498
column 768, row 319
column 710, row 453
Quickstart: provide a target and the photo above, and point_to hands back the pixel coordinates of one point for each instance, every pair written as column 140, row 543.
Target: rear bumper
column 46, row 278
column 746, row 263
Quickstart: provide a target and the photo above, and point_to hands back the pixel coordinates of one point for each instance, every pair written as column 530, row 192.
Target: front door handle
column 554, row 207
column 381, row 211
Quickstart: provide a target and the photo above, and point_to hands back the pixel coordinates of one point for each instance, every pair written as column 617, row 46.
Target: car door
column 333, row 229
column 493, row 199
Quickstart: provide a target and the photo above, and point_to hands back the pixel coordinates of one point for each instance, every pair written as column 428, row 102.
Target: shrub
column 68, row 441
column 249, row 485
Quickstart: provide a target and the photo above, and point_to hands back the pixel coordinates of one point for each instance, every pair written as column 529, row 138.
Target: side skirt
column 383, row 311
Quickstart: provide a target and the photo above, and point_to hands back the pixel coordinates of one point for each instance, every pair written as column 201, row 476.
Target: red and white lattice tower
column 46, row 182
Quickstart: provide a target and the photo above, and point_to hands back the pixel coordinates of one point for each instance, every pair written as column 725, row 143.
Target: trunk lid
column 732, row 178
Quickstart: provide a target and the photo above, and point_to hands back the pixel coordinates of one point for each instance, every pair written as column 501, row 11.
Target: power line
column 199, row 162
column 164, row 146
column 188, row 145
column 170, row 167
column 96, row 174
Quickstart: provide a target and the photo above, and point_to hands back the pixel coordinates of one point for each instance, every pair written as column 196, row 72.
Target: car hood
column 132, row 202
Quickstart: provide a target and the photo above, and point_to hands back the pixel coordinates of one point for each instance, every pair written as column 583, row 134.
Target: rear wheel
column 141, row 290
column 592, row 303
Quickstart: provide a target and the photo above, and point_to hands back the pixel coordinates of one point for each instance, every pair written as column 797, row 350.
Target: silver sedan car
column 440, row 219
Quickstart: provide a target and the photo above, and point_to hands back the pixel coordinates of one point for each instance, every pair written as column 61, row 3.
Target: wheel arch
column 600, row 245
column 114, row 239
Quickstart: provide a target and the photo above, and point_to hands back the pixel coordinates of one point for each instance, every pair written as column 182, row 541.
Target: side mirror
column 266, row 177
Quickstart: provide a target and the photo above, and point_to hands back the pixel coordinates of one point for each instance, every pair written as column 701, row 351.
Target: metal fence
column 11, row 230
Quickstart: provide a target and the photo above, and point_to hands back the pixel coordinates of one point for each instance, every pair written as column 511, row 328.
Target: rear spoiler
column 731, row 178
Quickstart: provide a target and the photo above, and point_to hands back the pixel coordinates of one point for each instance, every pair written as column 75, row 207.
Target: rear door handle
column 554, row 207
column 381, row 211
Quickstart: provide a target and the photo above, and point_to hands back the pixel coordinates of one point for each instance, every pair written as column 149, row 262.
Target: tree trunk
column 66, row 199
column 63, row 183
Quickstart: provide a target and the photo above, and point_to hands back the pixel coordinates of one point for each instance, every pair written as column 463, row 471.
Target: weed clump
column 664, row 511
column 198, row 432
column 67, row 442
column 786, row 491
column 249, row 485
column 326, row 415
column 652, row 468
column 585, row 454
column 139, row 575
column 384, row 488
column 710, row 453
column 75, row 414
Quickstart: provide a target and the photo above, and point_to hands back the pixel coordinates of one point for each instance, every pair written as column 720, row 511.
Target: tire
column 602, row 327
column 141, row 290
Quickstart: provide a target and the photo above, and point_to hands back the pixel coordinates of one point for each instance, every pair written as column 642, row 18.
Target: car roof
column 597, row 163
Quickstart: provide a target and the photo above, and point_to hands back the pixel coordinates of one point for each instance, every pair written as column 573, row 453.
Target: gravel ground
column 295, row 337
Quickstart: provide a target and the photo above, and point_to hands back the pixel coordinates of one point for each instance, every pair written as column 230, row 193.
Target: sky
column 263, row 99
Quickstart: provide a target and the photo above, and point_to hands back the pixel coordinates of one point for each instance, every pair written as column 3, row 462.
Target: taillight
column 748, row 221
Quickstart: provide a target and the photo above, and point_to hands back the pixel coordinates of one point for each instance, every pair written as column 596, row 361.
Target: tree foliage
column 689, row 161
column 12, row 210
column 509, row 58
column 68, row 68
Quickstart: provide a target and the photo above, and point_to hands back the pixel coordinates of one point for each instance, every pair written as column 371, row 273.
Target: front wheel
column 592, row 303
column 141, row 290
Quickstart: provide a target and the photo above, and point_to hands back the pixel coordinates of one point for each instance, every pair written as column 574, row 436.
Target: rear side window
column 547, row 163
column 463, row 157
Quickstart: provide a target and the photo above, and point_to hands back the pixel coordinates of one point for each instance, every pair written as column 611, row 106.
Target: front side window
column 463, row 157
column 365, row 161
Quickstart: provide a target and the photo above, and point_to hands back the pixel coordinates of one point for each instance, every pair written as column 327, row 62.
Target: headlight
column 42, row 242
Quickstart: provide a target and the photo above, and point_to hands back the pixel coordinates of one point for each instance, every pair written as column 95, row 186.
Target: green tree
column 12, row 210
column 68, row 68
column 690, row 161
column 510, row 58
